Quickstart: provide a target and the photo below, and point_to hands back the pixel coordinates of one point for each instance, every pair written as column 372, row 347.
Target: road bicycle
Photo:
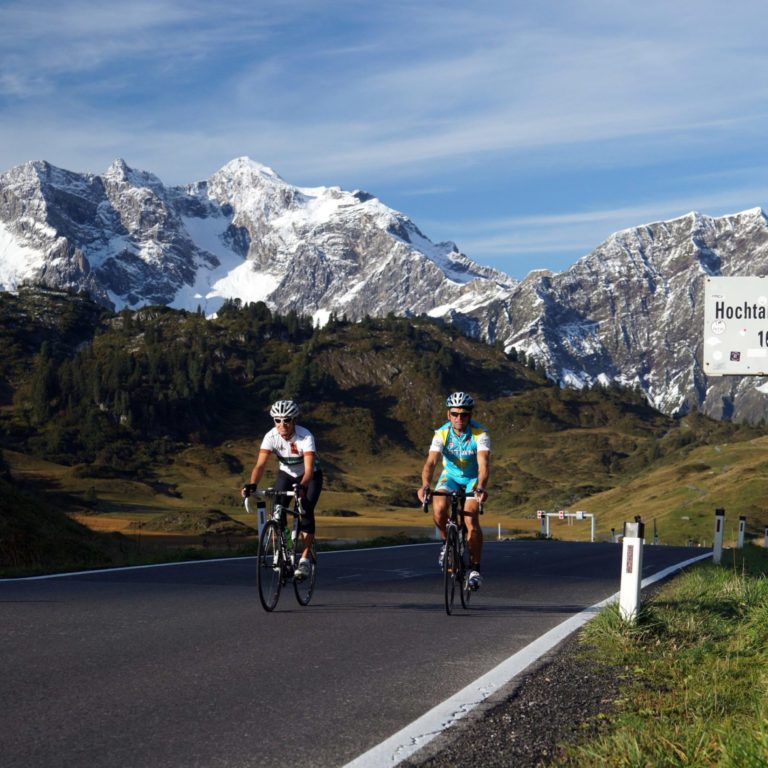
column 280, row 549
column 456, row 558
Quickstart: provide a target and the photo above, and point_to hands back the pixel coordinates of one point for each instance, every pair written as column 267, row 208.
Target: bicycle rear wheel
column 269, row 573
column 306, row 586
column 450, row 566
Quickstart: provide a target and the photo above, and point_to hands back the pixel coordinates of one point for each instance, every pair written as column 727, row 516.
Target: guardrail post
column 717, row 547
column 631, row 570
column 742, row 527
column 765, row 537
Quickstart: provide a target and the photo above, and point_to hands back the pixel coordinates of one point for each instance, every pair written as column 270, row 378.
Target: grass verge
column 695, row 672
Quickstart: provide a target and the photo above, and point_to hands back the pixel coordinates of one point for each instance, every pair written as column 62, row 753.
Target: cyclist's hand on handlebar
column 248, row 489
column 481, row 495
column 425, row 494
column 300, row 490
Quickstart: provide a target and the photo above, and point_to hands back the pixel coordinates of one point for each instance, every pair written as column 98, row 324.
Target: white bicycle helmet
column 284, row 409
column 460, row 400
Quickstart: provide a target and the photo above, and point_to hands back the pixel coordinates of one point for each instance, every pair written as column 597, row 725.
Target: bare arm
column 427, row 471
column 483, row 472
column 309, row 467
column 258, row 468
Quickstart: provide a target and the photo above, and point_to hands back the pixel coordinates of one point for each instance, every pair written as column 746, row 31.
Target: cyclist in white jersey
column 294, row 447
column 465, row 448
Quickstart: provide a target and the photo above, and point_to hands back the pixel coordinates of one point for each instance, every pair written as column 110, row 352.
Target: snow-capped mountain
column 629, row 311
column 632, row 311
column 244, row 233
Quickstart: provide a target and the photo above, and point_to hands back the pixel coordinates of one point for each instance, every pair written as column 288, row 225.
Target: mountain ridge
column 628, row 311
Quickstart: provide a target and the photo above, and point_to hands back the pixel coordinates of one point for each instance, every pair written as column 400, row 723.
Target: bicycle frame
column 455, row 559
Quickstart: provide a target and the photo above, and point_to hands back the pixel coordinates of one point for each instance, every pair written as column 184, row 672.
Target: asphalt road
column 180, row 666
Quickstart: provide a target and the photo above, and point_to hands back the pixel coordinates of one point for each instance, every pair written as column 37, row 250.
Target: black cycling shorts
column 285, row 482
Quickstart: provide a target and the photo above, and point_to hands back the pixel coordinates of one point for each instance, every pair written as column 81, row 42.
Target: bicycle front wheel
column 269, row 573
column 450, row 568
column 306, row 586
column 462, row 573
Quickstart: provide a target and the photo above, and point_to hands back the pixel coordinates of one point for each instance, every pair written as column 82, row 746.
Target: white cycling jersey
column 290, row 453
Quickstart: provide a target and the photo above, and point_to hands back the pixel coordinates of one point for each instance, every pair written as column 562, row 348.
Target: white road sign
column 735, row 326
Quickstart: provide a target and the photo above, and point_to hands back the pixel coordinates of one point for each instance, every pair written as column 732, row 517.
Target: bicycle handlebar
column 459, row 495
column 252, row 490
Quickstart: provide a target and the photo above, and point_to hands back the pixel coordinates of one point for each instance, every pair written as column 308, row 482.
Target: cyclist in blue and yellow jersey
column 465, row 448
column 294, row 447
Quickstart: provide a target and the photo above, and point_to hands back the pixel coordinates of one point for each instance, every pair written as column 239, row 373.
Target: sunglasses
column 284, row 421
column 459, row 414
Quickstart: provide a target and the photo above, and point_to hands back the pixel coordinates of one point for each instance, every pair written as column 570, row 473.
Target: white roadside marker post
column 543, row 520
column 742, row 527
column 261, row 515
column 765, row 537
column 717, row 547
column 631, row 570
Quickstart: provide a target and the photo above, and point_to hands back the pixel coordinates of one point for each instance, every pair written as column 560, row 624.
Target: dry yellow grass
column 680, row 497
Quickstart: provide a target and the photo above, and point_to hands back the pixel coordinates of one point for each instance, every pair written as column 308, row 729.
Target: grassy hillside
column 37, row 536
column 148, row 422
column 682, row 495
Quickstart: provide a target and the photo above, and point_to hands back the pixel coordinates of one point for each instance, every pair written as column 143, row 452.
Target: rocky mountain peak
column 119, row 172
column 249, row 170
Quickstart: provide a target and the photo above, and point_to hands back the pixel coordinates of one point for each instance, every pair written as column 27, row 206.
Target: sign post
column 565, row 515
column 742, row 527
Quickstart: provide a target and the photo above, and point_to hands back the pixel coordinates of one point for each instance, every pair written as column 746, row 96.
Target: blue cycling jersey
column 460, row 452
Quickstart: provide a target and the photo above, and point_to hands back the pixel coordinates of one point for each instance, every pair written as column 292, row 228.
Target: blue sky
column 525, row 131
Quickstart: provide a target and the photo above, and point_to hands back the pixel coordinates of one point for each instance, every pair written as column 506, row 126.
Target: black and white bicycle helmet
column 284, row 409
column 460, row 400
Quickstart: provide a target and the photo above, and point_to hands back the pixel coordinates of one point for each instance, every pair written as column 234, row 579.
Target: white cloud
column 408, row 94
